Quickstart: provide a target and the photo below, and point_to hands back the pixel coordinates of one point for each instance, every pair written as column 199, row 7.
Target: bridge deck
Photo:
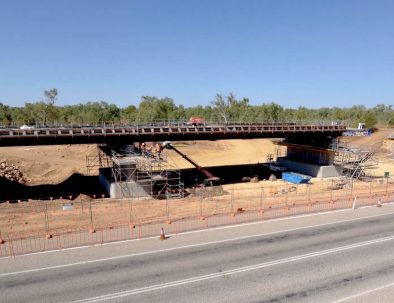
column 128, row 134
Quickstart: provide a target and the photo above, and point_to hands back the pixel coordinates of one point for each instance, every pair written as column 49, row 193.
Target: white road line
column 186, row 246
column 232, row 271
column 363, row 293
column 202, row 230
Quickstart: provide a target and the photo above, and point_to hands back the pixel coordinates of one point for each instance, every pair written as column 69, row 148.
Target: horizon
column 311, row 54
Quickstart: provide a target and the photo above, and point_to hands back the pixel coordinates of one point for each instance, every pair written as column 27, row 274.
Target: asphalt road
column 345, row 256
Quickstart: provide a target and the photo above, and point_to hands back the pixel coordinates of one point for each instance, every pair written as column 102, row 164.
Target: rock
column 272, row 178
column 11, row 172
column 255, row 179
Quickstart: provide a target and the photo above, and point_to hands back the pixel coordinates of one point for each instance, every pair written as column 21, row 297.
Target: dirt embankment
column 374, row 142
column 54, row 164
column 47, row 164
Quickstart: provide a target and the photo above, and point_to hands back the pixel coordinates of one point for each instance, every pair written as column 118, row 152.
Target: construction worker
column 149, row 151
column 143, row 149
column 158, row 150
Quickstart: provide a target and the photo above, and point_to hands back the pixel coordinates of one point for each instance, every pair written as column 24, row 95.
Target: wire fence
column 55, row 224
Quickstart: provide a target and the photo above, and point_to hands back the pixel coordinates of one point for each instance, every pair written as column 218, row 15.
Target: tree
column 153, row 108
column 47, row 107
column 50, row 96
column 129, row 113
column 370, row 119
column 222, row 106
column 301, row 113
column 275, row 111
column 5, row 113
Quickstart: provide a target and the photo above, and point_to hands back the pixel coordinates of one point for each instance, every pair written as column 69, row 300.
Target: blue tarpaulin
column 295, row 178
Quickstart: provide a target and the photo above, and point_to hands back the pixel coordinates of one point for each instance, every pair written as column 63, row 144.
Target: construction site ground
column 54, row 164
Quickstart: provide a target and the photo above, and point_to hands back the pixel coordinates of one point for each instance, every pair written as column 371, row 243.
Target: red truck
column 196, row 121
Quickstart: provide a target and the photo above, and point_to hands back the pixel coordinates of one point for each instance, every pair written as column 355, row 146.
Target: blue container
column 295, row 178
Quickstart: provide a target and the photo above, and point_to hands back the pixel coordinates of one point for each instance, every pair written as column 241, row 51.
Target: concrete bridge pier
column 309, row 160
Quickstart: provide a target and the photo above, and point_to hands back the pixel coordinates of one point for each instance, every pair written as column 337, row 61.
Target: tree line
column 223, row 108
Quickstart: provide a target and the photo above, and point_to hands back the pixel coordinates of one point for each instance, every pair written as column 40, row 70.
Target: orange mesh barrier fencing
column 34, row 226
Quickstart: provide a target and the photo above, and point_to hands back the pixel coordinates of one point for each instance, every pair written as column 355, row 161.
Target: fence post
column 261, row 197
column 200, row 207
column 80, row 200
column 131, row 218
column 11, row 245
column 354, row 203
column 1, row 239
column 46, row 217
column 216, row 204
column 167, row 209
column 387, row 186
column 351, row 191
column 91, row 215
column 287, row 194
column 231, row 200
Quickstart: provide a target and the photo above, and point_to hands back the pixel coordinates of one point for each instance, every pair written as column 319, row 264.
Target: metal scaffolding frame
column 97, row 161
column 354, row 162
column 152, row 175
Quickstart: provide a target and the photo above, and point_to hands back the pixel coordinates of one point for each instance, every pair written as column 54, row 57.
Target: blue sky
column 295, row 52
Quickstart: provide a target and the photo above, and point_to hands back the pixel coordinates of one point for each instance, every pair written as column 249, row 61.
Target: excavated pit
column 89, row 185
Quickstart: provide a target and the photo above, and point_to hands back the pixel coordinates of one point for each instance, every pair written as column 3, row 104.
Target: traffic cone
column 162, row 235
column 379, row 204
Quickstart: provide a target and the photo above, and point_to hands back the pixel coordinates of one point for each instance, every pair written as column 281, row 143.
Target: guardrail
column 127, row 134
column 169, row 129
column 163, row 123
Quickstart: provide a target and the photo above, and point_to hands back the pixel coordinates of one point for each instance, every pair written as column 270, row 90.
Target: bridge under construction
column 133, row 175
column 316, row 134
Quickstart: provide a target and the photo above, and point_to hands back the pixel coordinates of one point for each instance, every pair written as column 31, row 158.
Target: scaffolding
column 279, row 152
column 99, row 160
column 139, row 176
column 355, row 163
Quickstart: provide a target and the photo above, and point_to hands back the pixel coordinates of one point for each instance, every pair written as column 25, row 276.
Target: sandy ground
column 383, row 151
column 54, row 164
column 48, row 164
column 37, row 217
column 223, row 152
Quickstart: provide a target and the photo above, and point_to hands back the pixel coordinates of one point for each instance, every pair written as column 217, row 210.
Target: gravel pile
column 11, row 172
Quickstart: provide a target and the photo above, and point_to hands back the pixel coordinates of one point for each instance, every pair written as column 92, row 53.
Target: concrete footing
column 124, row 189
column 314, row 170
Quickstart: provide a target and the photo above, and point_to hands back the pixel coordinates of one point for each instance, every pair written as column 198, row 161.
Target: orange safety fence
column 35, row 226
